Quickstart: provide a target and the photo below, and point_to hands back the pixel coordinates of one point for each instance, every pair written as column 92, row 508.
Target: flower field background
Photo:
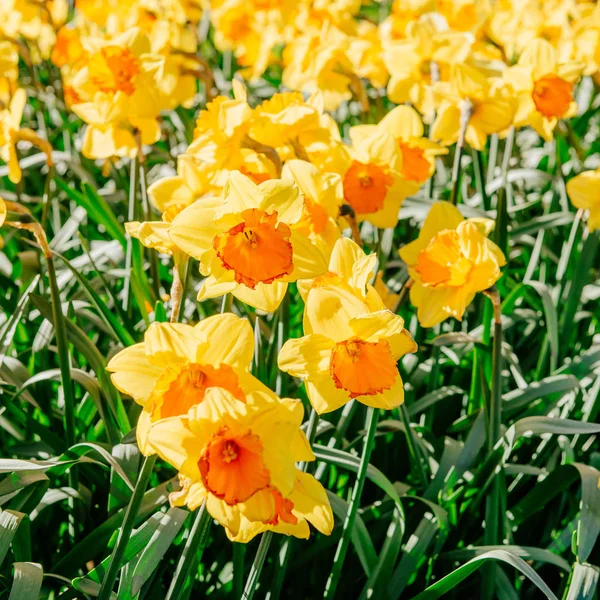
column 300, row 299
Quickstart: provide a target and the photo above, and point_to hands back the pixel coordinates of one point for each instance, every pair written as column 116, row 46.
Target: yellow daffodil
column 373, row 184
column 350, row 353
column 544, row 87
column 349, row 269
column 250, row 29
column 450, row 262
column 323, row 196
column 584, row 191
column 422, row 58
column 118, row 95
column 241, row 460
column 175, row 365
column 514, row 24
column 319, row 61
column 289, row 124
column 222, row 143
column 365, row 53
column 418, row 152
column 485, row 102
column 246, row 243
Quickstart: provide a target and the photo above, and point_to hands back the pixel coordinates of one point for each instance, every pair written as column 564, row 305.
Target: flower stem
column 257, row 565
column 493, row 518
column 125, row 532
column 466, row 108
column 342, row 549
column 192, row 551
column 129, row 251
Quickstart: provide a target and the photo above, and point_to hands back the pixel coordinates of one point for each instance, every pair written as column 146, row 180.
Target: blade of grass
column 342, row 548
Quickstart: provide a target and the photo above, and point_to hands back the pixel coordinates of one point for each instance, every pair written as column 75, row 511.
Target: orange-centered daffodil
column 241, row 460
column 176, row 364
column 544, row 87
column 246, row 242
column 349, row 352
column 450, row 262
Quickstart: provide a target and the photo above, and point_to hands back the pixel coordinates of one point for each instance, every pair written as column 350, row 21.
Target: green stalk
column 286, row 547
column 64, row 360
column 466, row 108
column 192, row 551
column 493, row 518
column 125, row 532
column 129, row 251
column 283, row 333
column 239, row 555
column 342, row 549
column 479, row 170
column 257, row 565
column 501, row 228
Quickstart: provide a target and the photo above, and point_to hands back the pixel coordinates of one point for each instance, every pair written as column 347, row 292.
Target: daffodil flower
column 241, row 460
column 450, row 262
column 175, row 365
column 373, row 184
column 350, row 353
column 349, row 269
column 544, row 87
column 485, row 102
column 418, row 153
column 246, row 243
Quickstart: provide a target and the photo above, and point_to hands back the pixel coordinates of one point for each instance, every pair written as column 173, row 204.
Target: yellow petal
column 265, row 296
column 193, row 229
column 170, row 191
column 307, row 258
column 584, row 190
column 173, row 440
column 228, row 516
column 442, row 215
column 133, row 374
column 384, row 324
column 141, row 432
column 307, row 356
column 259, row 507
column 324, row 396
column 240, row 193
column 167, row 343
column 540, row 55
column 403, row 122
column 310, row 500
column 283, row 196
column 388, row 399
column 230, row 340
column 2, row 211
column 329, row 310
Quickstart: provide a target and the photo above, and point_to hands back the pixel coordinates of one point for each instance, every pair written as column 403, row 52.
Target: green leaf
column 450, row 581
column 156, row 548
column 97, row 208
column 584, row 582
column 361, row 540
column 27, row 582
column 9, row 522
column 348, row 461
